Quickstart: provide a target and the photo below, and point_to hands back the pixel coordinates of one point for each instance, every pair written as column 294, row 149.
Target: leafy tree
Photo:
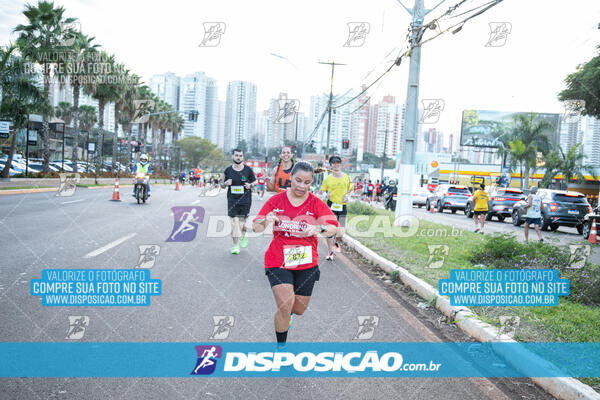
column 569, row 165
column 527, row 139
column 584, row 84
column 44, row 36
column 21, row 96
column 198, row 152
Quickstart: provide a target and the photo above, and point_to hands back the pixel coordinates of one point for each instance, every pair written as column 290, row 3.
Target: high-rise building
column 340, row 123
column 570, row 133
column 240, row 114
column 281, row 130
column 387, row 125
column 198, row 95
column 591, row 141
column 359, row 125
column 263, row 130
column 166, row 87
column 220, row 124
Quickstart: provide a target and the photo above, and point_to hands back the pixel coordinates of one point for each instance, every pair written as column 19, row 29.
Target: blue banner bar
column 304, row 359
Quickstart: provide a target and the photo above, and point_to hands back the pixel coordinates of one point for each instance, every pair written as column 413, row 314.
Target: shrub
column 504, row 251
column 359, row 208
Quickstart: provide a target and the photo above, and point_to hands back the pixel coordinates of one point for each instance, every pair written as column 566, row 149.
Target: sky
column 547, row 40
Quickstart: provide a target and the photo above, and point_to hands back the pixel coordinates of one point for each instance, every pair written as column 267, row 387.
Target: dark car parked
column 588, row 220
column 453, row 197
column 500, row 204
column 559, row 208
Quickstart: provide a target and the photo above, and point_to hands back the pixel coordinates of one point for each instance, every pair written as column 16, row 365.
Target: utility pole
column 333, row 64
column 405, row 164
column 383, row 157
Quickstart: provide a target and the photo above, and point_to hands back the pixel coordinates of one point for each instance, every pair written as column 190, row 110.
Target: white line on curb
column 72, row 201
column 109, row 246
column 561, row 388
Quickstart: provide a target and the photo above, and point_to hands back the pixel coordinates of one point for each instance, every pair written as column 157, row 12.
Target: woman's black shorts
column 303, row 280
column 340, row 215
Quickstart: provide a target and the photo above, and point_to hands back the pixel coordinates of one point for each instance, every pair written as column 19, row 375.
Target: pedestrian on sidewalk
column 481, row 207
column 534, row 214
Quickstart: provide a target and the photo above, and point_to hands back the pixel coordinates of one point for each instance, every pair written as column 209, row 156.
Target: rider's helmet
column 143, row 159
column 392, row 182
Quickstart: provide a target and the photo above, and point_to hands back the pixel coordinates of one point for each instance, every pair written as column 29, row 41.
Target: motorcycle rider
column 143, row 166
column 390, row 190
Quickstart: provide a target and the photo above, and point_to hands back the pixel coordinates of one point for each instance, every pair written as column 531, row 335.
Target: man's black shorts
column 238, row 210
column 303, row 280
column 340, row 215
column 480, row 212
column 370, row 193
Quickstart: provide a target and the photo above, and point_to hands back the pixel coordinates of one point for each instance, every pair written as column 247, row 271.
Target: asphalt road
column 201, row 279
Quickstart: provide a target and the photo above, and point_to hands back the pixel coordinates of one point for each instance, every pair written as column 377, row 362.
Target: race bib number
column 294, row 256
column 337, row 207
column 237, row 190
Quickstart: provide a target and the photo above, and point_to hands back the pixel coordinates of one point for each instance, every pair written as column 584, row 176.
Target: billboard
column 482, row 128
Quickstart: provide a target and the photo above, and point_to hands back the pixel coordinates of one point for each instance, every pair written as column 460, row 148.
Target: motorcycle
column 140, row 185
column 390, row 200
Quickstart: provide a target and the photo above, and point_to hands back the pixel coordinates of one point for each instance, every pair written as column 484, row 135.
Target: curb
column 24, row 191
column 561, row 388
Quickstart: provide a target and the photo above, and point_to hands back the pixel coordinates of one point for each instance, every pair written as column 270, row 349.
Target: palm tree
column 83, row 53
column 569, row 165
column 519, row 155
column 132, row 83
column 64, row 111
column 118, row 93
column 531, row 136
column 103, row 92
column 87, row 119
column 21, row 96
column 38, row 41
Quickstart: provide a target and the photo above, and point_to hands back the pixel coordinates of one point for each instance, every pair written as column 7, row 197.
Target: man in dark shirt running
column 239, row 180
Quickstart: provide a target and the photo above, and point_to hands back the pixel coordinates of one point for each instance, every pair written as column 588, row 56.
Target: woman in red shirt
column 291, row 261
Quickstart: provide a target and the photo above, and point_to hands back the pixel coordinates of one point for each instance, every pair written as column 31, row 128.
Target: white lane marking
column 109, row 246
column 196, row 202
column 72, row 201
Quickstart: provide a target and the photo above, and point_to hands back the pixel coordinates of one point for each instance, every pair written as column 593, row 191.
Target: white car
column 419, row 196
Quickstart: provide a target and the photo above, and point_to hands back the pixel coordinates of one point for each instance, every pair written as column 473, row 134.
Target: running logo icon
column 579, row 254
column 77, row 325
column 498, row 34
column 437, row 255
column 508, row 325
column 287, row 111
column 366, row 327
column 357, row 33
column 432, row 109
column 573, row 110
column 223, row 325
column 212, row 34
column 186, row 223
column 68, row 184
column 148, row 253
column 207, row 359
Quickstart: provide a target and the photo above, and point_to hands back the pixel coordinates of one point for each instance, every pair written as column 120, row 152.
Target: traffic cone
column 431, row 208
column 115, row 196
column 177, row 185
column 592, row 238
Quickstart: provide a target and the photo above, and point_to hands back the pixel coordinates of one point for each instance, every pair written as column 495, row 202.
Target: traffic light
column 193, row 116
column 345, row 144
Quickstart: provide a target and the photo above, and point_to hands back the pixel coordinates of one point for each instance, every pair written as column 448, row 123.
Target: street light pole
column 62, row 166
